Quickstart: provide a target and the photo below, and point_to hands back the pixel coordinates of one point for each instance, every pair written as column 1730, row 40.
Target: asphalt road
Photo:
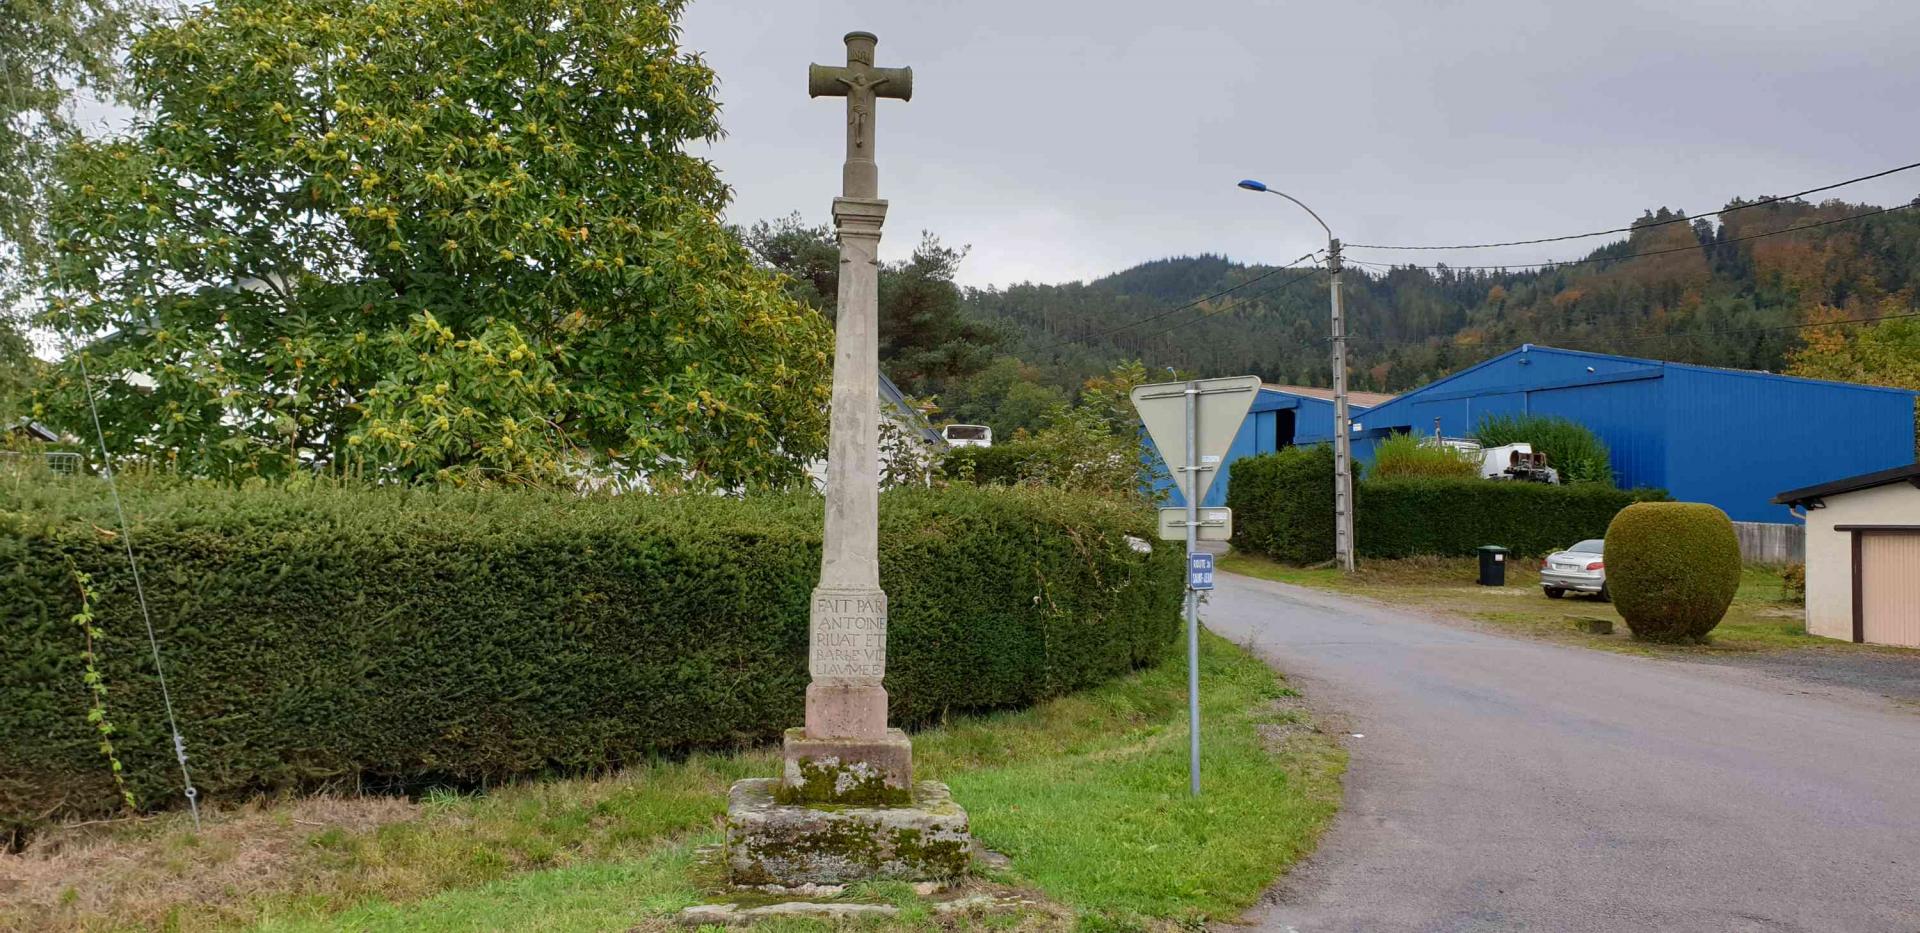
column 1506, row 784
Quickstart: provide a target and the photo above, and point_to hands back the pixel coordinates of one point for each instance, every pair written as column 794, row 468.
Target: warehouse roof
column 1656, row 365
column 1368, row 399
column 1806, row 495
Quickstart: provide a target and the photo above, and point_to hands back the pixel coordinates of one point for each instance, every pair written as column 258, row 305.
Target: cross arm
column 833, row 81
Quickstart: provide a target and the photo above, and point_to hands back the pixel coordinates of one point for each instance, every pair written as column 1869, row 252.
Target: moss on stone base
column 833, row 782
column 769, row 842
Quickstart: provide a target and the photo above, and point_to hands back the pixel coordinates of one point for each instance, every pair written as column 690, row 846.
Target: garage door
column 1890, row 589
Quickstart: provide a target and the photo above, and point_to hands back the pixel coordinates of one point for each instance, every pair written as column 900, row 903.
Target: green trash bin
column 1493, row 565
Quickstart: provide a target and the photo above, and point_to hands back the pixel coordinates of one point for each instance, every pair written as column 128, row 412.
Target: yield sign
column 1220, row 405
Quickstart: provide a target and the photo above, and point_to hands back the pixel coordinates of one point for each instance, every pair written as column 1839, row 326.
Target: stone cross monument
column 847, row 808
column 847, row 630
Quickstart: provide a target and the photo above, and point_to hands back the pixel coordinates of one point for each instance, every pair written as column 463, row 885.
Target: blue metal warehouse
column 1732, row 438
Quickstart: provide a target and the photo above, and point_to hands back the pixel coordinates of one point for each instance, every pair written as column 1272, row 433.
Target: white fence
column 1770, row 543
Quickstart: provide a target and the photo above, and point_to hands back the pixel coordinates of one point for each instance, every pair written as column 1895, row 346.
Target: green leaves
column 338, row 205
column 318, row 630
column 96, row 683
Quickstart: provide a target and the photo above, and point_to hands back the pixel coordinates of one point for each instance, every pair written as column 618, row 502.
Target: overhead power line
column 1652, row 252
column 1175, row 310
column 1243, row 301
column 1639, row 338
column 1658, row 223
column 1763, row 330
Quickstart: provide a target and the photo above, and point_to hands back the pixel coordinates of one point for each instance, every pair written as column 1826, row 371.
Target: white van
column 968, row 435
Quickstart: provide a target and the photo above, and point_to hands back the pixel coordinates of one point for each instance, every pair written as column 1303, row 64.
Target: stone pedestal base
column 839, row 710
column 769, row 842
column 858, row 772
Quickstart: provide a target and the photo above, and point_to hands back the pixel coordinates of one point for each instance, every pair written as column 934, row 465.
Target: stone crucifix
column 846, row 753
column 861, row 84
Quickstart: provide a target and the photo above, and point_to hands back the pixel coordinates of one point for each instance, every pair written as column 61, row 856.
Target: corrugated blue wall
column 1738, row 439
column 1626, row 416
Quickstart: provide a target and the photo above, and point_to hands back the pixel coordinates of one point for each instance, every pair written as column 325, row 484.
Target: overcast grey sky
column 1067, row 140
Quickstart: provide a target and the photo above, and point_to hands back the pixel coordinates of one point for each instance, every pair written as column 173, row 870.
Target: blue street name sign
column 1200, row 571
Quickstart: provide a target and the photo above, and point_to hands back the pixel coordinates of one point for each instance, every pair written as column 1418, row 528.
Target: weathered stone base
column 734, row 915
column 856, row 772
column 769, row 842
column 842, row 710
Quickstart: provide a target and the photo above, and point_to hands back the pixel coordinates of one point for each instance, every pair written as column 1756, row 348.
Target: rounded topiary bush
column 1672, row 568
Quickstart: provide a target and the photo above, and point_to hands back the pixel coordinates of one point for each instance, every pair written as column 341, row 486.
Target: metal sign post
column 1206, row 414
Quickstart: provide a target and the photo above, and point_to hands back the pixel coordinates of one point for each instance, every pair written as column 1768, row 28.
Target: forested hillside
column 1724, row 292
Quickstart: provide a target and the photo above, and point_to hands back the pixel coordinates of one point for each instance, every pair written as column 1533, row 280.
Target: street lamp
column 1342, row 431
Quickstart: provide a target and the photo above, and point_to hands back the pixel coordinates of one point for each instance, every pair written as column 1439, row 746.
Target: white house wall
column 1830, row 552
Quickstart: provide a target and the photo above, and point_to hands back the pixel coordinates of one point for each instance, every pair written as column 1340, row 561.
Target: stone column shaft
column 847, row 629
column 852, row 554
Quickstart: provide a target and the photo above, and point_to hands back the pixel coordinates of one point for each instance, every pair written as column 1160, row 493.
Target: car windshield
column 1589, row 546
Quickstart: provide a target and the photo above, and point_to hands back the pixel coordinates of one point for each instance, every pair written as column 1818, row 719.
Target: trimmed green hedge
column 405, row 636
column 1672, row 568
column 1452, row 517
column 1283, row 508
column 1282, row 504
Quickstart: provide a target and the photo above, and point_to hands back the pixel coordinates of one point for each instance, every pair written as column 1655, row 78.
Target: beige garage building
column 1863, row 556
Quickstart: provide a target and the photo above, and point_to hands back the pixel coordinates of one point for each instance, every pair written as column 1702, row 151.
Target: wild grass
column 1762, row 617
column 1404, row 456
column 1086, row 794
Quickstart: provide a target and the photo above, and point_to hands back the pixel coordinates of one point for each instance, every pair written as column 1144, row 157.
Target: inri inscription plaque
column 849, row 636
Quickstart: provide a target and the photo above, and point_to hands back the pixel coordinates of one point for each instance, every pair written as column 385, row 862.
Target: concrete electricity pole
column 1342, row 429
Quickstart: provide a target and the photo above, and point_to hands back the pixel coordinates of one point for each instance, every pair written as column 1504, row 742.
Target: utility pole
column 1342, row 429
column 1193, row 596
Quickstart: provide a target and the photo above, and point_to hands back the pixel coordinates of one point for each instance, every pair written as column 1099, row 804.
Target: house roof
column 1903, row 474
column 917, row 422
column 1367, row 399
column 33, row 429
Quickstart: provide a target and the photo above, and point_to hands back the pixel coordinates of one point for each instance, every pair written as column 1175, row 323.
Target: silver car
column 1578, row 569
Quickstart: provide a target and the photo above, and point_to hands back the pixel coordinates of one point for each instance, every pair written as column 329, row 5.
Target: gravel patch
column 1894, row 675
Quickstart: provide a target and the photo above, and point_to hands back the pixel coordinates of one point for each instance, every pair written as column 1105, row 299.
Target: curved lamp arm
column 1252, row 185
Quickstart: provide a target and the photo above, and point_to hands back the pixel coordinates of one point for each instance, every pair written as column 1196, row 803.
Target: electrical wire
column 1658, row 223
column 1763, row 330
column 126, row 533
column 1242, row 302
column 1194, row 303
column 139, row 587
column 1652, row 252
column 1642, row 337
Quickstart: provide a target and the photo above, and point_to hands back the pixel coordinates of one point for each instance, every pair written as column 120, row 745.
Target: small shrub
column 1407, row 456
column 1672, row 568
column 1793, row 583
column 1576, row 452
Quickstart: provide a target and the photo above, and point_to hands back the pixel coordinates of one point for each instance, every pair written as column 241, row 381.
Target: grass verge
column 1086, row 794
column 1760, row 618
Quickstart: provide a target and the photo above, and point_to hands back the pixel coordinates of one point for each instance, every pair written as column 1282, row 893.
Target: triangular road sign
column 1220, row 406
